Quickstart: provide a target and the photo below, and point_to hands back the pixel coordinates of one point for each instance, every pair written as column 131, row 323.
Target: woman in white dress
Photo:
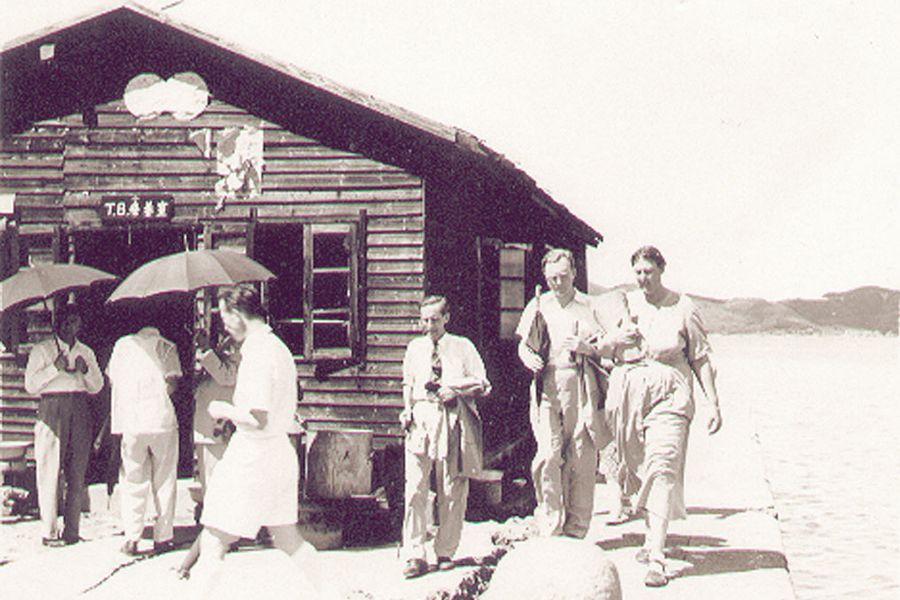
column 256, row 483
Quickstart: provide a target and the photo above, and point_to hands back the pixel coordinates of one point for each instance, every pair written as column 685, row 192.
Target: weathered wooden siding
column 30, row 168
column 60, row 170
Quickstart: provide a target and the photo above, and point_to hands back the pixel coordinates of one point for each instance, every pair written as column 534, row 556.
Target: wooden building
column 360, row 207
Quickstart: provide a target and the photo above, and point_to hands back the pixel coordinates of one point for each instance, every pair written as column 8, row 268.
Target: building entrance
column 121, row 250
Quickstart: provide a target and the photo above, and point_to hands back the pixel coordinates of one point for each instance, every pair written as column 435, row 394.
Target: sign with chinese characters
column 137, row 208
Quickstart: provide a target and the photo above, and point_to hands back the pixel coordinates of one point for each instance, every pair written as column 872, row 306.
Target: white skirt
column 255, row 484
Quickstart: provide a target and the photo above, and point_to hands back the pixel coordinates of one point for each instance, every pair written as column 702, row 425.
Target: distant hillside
column 867, row 308
column 751, row 315
column 871, row 308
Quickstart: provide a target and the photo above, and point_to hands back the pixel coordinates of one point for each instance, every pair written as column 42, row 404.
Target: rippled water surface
column 826, row 412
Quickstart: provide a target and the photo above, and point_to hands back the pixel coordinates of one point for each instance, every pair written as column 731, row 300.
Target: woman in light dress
column 255, row 484
column 650, row 402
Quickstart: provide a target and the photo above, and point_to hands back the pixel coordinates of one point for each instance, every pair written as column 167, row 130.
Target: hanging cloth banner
column 239, row 161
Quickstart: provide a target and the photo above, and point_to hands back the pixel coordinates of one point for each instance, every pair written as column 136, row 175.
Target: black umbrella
column 538, row 341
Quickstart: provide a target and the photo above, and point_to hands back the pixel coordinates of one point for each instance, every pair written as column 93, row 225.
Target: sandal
column 656, row 574
column 624, row 516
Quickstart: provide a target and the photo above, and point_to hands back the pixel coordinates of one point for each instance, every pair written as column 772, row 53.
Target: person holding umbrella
column 187, row 272
column 216, row 382
column 143, row 372
column 63, row 371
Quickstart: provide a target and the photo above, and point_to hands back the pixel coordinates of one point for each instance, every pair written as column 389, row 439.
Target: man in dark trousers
column 63, row 372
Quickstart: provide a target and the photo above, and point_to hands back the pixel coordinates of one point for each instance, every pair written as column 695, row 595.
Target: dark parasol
column 538, row 341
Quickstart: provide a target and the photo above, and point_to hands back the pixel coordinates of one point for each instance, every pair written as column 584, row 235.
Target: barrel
column 339, row 464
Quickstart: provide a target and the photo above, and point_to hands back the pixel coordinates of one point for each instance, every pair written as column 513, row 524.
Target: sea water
column 826, row 412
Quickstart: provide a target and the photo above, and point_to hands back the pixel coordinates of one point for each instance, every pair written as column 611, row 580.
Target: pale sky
column 757, row 144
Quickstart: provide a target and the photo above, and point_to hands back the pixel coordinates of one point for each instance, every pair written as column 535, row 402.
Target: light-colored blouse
column 266, row 380
column 673, row 333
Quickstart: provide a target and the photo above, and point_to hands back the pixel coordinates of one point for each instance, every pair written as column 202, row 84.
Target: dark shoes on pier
column 60, row 542
column 54, row 542
column 163, row 547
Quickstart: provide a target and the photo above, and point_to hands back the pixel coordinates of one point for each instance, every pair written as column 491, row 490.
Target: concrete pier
column 729, row 546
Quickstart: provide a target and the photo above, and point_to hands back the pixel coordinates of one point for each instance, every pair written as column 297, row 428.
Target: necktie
column 434, row 380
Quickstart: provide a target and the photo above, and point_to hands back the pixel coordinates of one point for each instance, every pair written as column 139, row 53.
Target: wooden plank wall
column 30, row 168
column 61, row 170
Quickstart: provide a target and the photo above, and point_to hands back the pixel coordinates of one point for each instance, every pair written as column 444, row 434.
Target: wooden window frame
column 356, row 229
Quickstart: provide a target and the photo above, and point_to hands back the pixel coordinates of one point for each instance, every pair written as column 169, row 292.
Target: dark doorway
column 121, row 250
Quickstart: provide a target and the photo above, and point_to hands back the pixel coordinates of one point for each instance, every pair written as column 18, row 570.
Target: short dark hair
column 435, row 299
column 243, row 298
column 555, row 255
column 650, row 253
column 64, row 312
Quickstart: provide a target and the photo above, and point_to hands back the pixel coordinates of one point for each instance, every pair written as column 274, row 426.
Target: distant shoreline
column 821, row 333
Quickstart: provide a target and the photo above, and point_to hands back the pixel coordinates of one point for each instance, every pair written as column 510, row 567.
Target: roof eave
column 457, row 138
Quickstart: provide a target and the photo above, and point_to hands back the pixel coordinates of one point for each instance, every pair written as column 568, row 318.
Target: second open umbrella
column 189, row 271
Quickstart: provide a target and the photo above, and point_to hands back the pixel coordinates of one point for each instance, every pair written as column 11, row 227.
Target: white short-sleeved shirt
column 138, row 369
column 255, row 483
column 266, row 380
column 575, row 318
column 460, row 364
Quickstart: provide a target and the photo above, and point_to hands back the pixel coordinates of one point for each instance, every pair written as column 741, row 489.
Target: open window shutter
column 308, row 297
column 488, row 289
column 358, row 293
column 11, row 321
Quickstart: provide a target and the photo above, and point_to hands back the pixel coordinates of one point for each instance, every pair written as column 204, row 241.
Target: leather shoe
column 444, row 563
column 415, row 567
column 53, row 542
column 163, row 547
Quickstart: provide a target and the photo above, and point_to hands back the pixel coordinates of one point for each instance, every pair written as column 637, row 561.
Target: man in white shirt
column 442, row 376
column 143, row 370
column 565, row 417
column 63, row 372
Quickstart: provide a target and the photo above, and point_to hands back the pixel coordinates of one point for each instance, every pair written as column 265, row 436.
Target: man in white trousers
column 442, row 376
column 143, row 371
